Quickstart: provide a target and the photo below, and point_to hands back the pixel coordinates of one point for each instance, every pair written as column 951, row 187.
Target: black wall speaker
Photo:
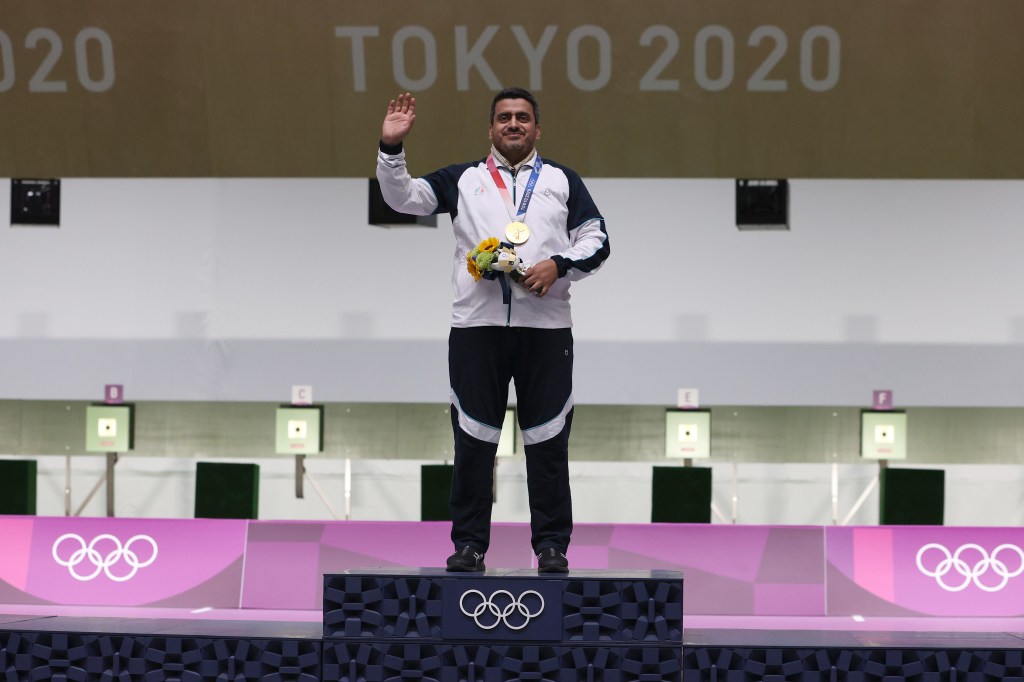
column 382, row 215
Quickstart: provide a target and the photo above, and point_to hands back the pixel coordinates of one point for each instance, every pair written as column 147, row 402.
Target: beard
column 516, row 149
column 515, row 145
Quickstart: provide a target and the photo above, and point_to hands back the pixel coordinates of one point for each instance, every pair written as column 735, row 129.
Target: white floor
column 691, row 622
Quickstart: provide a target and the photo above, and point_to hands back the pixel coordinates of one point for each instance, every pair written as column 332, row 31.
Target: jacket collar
column 502, row 161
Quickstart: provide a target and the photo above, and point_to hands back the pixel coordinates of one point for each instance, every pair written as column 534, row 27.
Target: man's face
column 514, row 131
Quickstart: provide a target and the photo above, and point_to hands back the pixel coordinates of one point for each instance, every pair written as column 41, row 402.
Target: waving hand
column 399, row 119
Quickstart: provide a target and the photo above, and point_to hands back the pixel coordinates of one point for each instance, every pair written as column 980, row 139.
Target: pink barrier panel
column 925, row 570
column 286, row 560
column 121, row 562
column 729, row 569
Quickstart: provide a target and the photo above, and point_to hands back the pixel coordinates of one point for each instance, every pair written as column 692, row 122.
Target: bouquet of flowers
column 492, row 259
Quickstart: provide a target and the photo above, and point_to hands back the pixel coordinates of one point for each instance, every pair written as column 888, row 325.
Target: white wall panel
column 234, row 289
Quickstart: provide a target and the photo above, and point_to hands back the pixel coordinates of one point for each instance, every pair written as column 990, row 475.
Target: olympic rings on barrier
column 954, row 562
column 102, row 562
column 489, row 608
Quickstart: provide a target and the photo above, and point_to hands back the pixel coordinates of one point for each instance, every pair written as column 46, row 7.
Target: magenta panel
column 926, row 570
column 735, row 570
column 730, row 570
column 301, row 552
column 16, row 532
column 123, row 562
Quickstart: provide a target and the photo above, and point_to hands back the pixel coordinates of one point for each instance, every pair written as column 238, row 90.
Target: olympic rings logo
column 959, row 563
column 500, row 606
column 92, row 553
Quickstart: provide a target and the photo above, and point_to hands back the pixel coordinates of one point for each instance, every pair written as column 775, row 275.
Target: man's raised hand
column 399, row 119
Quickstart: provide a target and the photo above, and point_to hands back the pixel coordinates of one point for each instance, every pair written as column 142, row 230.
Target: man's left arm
column 588, row 242
column 588, row 250
column 588, row 238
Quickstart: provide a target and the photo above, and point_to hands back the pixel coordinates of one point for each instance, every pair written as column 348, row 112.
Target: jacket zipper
column 508, row 317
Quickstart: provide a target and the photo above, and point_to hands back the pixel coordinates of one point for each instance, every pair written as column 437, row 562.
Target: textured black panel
column 70, row 657
column 611, row 628
column 598, row 610
column 277, row 660
column 1002, row 665
column 537, row 663
column 653, row 664
column 48, row 656
column 379, row 662
column 472, row 662
column 594, row 610
column 851, row 665
column 170, row 658
column 376, row 662
column 75, row 657
column 382, row 606
column 597, row 664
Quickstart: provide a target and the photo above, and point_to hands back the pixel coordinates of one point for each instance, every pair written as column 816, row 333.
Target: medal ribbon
column 506, row 290
column 503, row 190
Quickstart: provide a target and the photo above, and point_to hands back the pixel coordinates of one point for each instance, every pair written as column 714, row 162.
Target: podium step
column 606, row 625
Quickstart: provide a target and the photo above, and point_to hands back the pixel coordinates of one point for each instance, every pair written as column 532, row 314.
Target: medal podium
column 502, row 625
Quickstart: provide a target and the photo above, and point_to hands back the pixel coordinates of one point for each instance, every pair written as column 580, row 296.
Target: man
column 499, row 331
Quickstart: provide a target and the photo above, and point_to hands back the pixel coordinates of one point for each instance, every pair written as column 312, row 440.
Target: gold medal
column 517, row 232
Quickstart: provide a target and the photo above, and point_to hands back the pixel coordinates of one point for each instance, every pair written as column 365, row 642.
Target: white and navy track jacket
column 565, row 226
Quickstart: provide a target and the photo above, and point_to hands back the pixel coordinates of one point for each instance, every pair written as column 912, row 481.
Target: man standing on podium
column 507, row 325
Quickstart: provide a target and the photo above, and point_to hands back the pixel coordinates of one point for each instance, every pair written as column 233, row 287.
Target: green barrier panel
column 681, row 495
column 912, row 497
column 435, row 489
column 227, row 490
column 18, row 486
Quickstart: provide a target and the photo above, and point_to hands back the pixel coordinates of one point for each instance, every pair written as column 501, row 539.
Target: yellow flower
column 473, row 269
column 489, row 244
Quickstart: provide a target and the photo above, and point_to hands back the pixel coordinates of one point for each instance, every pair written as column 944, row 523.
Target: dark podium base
column 426, row 624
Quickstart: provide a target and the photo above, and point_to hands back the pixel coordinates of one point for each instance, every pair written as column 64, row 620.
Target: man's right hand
column 399, row 119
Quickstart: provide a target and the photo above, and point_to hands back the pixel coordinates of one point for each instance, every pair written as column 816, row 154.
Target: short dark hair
column 516, row 93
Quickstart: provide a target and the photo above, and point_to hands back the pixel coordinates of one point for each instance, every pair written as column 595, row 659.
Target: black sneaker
column 550, row 560
column 466, row 559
